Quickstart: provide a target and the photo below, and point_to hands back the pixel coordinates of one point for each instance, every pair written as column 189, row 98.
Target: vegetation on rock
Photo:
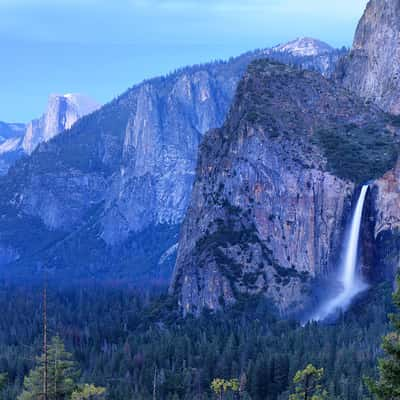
column 358, row 154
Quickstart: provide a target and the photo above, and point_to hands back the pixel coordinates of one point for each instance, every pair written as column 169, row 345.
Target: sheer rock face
column 62, row 112
column 106, row 197
column 159, row 150
column 386, row 217
column 267, row 214
column 372, row 69
column 161, row 143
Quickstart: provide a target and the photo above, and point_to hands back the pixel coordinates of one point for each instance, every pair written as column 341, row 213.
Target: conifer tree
column 388, row 385
column 88, row 392
column 62, row 375
column 3, row 381
column 222, row 386
column 308, row 385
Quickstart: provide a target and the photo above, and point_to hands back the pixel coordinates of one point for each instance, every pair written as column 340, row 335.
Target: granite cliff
column 274, row 188
column 61, row 113
column 372, row 69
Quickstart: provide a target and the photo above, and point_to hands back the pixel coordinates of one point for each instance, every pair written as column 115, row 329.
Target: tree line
column 118, row 343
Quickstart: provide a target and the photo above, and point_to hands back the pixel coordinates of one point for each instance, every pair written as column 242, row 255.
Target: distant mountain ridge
column 11, row 137
column 107, row 198
column 61, row 113
column 304, row 47
column 310, row 54
column 11, row 130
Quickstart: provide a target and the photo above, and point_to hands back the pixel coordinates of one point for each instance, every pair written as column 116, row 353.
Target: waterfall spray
column 352, row 284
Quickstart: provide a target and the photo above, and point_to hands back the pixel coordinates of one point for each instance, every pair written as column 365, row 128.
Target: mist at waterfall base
column 351, row 282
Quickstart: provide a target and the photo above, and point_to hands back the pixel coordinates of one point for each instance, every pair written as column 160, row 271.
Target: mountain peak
column 85, row 104
column 63, row 110
column 304, row 46
column 79, row 103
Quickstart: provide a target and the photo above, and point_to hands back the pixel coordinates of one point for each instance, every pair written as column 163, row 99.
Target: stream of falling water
column 350, row 280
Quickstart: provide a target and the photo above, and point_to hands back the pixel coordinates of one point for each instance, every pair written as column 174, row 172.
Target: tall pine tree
column 62, row 375
column 308, row 385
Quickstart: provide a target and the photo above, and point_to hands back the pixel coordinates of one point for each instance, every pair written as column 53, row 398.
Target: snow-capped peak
column 304, row 46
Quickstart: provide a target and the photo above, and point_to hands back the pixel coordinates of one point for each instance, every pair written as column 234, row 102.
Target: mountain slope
column 11, row 136
column 311, row 54
column 106, row 198
column 372, row 69
column 10, row 131
column 274, row 187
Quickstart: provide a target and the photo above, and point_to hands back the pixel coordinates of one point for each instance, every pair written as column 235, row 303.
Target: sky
column 102, row 47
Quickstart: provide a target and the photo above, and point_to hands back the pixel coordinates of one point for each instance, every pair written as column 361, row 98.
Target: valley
column 230, row 230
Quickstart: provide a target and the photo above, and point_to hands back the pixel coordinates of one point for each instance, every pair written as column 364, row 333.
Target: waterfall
column 350, row 281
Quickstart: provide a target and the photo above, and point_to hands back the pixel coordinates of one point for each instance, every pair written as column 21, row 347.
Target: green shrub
column 358, row 154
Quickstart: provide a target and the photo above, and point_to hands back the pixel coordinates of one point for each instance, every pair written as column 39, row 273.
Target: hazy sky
column 102, row 47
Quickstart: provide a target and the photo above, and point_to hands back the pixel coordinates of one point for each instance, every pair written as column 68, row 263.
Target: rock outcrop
column 274, row 188
column 372, row 69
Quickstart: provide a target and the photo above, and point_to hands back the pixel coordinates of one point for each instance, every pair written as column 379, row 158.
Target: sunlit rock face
column 372, row 68
column 274, row 188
